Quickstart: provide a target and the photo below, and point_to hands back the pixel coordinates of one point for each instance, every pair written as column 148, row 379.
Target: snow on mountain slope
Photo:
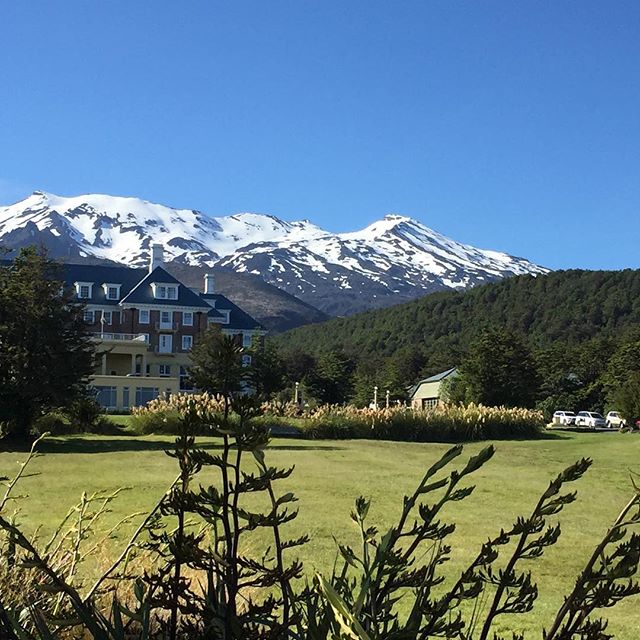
column 389, row 261
column 122, row 229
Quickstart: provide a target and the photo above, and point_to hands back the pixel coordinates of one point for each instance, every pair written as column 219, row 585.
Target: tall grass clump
column 163, row 414
column 440, row 424
column 445, row 423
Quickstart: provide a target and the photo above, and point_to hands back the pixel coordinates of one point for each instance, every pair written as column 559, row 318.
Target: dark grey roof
column 439, row 376
column 99, row 274
column 142, row 293
column 238, row 319
column 136, row 289
column 215, row 314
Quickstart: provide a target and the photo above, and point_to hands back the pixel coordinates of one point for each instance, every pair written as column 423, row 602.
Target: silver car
column 590, row 419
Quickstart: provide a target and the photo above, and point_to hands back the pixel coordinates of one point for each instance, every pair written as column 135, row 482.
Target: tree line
column 567, row 307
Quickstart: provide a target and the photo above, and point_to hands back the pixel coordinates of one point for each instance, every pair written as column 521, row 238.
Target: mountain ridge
column 389, row 261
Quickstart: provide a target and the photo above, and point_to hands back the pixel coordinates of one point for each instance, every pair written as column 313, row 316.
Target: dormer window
column 111, row 291
column 84, row 290
column 165, row 291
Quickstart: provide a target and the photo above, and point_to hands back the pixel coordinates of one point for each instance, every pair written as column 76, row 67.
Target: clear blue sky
column 506, row 125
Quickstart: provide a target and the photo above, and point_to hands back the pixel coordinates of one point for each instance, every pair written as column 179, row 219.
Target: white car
column 615, row 420
column 564, row 417
column 590, row 419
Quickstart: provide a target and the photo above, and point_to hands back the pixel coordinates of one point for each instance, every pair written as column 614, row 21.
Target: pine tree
column 46, row 354
column 217, row 364
column 332, row 380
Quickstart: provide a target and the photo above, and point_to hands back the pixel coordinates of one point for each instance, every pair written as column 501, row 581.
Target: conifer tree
column 46, row 354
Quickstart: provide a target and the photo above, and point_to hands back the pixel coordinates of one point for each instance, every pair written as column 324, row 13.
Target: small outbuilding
column 428, row 393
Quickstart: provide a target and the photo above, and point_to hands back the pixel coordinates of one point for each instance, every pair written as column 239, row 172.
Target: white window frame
column 166, row 314
column 164, row 370
column 246, row 360
column 107, row 317
column 89, row 316
column 185, row 340
column 80, row 285
column 107, row 286
column 247, row 339
column 164, row 291
column 148, row 316
column 187, row 315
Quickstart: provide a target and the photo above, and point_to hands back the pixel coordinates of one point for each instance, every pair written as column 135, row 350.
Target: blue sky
column 506, row 125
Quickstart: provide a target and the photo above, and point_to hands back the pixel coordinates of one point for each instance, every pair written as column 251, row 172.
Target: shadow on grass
column 108, row 444
column 122, row 442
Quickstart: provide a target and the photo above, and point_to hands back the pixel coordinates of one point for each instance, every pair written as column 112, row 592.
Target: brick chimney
column 209, row 283
column 157, row 256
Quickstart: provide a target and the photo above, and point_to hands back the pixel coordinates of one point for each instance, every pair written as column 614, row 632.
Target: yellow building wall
column 124, row 388
column 426, row 391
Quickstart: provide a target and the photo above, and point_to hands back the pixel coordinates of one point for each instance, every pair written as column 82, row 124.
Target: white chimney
column 157, row 256
column 209, row 283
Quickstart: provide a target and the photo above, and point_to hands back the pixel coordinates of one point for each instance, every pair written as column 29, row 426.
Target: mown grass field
column 329, row 475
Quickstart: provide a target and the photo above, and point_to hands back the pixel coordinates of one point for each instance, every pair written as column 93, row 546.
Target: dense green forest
column 569, row 307
column 568, row 339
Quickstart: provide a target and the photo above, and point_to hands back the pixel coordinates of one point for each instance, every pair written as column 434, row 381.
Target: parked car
column 615, row 420
column 590, row 419
column 564, row 417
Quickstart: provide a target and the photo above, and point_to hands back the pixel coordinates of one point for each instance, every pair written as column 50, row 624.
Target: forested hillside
column 566, row 307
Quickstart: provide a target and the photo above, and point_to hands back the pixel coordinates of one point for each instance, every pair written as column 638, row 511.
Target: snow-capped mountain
column 392, row 260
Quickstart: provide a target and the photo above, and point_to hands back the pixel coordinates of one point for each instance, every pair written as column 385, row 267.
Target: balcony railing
column 123, row 337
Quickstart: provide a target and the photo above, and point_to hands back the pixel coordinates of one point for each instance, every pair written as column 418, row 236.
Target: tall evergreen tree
column 46, row 354
column 332, row 380
column 499, row 370
column 216, row 363
column 366, row 376
column 622, row 381
column 298, row 365
column 267, row 372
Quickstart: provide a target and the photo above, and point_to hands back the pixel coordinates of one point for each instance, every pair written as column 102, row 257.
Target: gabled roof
column 135, row 289
column 439, row 376
column 435, row 378
column 238, row 319
column 98, row 275
column 143, row 294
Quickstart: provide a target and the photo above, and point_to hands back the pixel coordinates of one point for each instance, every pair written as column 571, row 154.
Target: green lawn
column 330, row 474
